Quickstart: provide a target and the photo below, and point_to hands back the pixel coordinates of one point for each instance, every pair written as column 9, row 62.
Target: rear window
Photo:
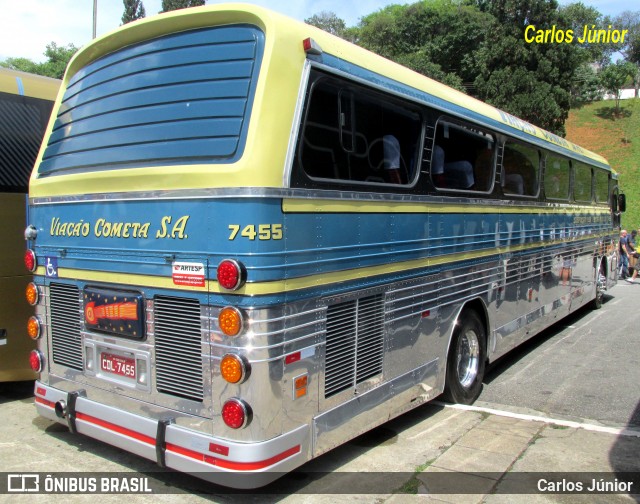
column 179, row 99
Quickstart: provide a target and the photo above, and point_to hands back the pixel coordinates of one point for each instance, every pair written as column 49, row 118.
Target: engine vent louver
column 66, row 313
column 178, row 347
column 355, row 343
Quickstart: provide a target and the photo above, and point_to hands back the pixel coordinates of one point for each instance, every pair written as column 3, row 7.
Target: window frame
column 545, row 172
column 577, row 167
column 538, row 170
column 344, row 86
column 467, row 127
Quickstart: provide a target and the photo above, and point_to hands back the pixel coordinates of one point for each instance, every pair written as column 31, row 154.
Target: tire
column 596, row 303
column 466, row 360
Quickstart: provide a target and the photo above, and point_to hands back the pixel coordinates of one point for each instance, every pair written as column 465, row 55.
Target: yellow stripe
column 358, row 206
column 293, row 284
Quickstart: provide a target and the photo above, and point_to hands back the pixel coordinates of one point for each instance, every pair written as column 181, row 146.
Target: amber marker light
column 32, row 294
column 230, row 321
column 234, row 369
column 33, row 327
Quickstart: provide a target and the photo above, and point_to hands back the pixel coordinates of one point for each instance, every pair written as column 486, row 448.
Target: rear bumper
column 224, row 462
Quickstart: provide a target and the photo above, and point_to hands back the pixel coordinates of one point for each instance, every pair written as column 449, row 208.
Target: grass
column 616, row 136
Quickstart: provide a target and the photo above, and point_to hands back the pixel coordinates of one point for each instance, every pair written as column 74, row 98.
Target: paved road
column 585, row 367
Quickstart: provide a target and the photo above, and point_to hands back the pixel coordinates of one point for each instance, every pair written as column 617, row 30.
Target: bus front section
column 159, row 312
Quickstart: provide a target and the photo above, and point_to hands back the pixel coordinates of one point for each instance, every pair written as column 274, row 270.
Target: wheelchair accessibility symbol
column 51, row 267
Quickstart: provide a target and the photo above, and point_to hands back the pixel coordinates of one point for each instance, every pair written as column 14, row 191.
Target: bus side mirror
column 622, row 202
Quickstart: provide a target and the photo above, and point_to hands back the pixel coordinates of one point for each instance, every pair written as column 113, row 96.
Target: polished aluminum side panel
column 362, row 413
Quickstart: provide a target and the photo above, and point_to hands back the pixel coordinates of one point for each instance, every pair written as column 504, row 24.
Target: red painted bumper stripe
column 44, row 402
column 229, row 464
column 116, row 428
column 225, row 464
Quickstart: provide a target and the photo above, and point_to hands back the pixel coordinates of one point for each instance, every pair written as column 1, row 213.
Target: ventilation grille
column 66, row 342
column 178, row 347
column 355, row 343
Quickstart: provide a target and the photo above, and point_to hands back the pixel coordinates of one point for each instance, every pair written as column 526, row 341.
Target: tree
column 171, row 5
column 329, row 22
column 630, row 49
column 57, row 61
column 613, row 78
column 585, row 87
column 434, row 38
column 576, row 16
column 529, row 80
column 133, row 10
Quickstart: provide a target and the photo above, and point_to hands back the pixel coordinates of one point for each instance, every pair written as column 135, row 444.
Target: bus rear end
column 150, row 242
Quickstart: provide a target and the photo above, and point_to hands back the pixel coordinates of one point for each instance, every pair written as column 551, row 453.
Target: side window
column 582, row 182
column 520, row 169
column 358, row 136
column 463, row 157
column 556, row 178
column 602, row 186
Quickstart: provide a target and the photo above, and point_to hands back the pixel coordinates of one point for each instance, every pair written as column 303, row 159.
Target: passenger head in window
column 391, row 147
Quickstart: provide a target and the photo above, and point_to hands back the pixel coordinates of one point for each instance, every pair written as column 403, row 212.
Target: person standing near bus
column 624, row 254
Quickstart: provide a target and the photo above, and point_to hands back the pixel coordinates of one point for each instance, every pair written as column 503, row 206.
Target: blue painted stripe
column 20, row 86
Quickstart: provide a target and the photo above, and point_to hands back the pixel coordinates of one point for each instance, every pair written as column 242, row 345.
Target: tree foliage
column 614, row 77
column 133, row 10
column 171, row 5
column 329, row 22
column 436, row 38
column 57, row 59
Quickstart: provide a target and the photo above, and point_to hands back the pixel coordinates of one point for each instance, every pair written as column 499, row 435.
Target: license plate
column 118, row 365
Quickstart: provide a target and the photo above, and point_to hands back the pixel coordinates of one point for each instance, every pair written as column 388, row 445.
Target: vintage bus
column 25, row 106
column 253, row 241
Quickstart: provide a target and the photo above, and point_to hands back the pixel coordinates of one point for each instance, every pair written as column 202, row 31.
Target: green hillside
column 598, row 128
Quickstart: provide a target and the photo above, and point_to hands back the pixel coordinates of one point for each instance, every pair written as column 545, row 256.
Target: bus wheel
column 601, row 286
column 466, row 360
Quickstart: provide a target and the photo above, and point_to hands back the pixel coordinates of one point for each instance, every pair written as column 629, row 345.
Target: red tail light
column 36, row 360
column 231, row 274
column 30, row 261
column 236, row 413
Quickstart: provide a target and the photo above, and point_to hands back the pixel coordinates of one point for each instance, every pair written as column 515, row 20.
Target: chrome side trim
column 295, row 127
column 314, row 194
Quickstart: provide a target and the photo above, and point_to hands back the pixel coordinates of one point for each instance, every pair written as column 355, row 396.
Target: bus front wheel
column 466, row 360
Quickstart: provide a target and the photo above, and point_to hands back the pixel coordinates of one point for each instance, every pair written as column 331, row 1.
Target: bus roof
column 26, row 84
column 271, row 21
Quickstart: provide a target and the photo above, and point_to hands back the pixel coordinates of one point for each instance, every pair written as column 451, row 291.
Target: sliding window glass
column 602, row 185
column 582, row 182
column 557, row 175
column 520, row 169
column 462, row 158
column 356, row 136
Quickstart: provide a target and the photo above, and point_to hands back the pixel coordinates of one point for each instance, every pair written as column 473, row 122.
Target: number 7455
column 261, row 231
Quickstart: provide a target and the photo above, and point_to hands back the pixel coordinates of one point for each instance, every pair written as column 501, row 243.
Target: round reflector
column 231, row 274
column 230, row 321
column 236, row 413
column 36, row 360
column 233, row 368
column 33, row 327
column 32, row 294
column 30, row 261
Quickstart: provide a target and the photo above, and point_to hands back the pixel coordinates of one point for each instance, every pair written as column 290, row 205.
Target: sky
column 27, row 26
